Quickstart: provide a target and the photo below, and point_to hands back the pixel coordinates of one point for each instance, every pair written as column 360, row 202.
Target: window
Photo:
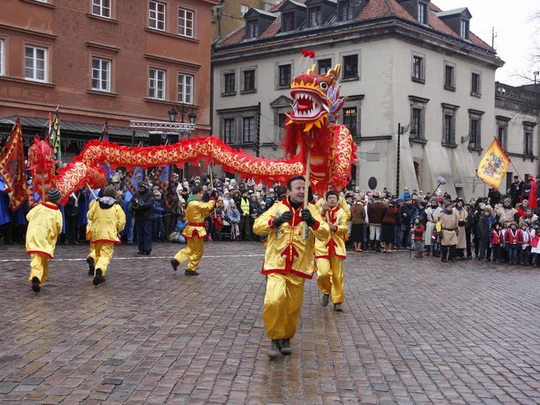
column 449, row 77
column 448, row 130
column 350, row 119
column 418, row 118
column 156, row 15
column 464, row 29
column 101, row 74
column 418, row 69
column 422, row 13
column 417, row 128
column 229, row 131
column 449, row 124
column 252, row 29
column 249, row 80
column 344, row 10
column 157, row 84
column 475, row 84
column 350, row 67
column 502, row 132
column 2, row 57
column 528, row 140
column 475, row 140
column 229, row 80
column 324, row 65
column 101, row 8
column 35, row 63
column 185, row 88
column 287, row 21
column 315, row 16
column 185, row 23
column 248, row 130
column 280, row 130
column 285, row 76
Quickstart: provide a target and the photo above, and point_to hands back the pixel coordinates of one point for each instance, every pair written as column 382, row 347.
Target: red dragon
column 312, row 131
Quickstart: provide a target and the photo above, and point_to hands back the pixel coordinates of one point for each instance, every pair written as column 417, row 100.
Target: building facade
column 407, row 67
column 517, row 113
column 99, row 60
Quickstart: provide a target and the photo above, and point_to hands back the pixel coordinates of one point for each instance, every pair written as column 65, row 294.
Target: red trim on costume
column 285, row 271
column 51, row 205
column 195, row 223
column 38, row 252
column 114, row 242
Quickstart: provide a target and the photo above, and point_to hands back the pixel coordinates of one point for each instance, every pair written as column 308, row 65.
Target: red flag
column 12, row 167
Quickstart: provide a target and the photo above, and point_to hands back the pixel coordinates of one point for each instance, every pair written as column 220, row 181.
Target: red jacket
column 513, row 238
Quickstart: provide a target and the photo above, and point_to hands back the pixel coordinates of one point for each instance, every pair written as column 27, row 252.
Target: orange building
column 98, row 60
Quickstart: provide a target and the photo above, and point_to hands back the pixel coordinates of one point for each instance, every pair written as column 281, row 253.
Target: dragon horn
column 335, row 71
column 312, row 70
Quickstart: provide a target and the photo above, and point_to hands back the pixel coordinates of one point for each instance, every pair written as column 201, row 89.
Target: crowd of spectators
column 379, row 220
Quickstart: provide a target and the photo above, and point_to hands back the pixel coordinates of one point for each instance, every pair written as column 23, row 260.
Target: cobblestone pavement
column 413, row 331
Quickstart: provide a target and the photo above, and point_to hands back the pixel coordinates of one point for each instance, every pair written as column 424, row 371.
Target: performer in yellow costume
column 44, row 226
column 331, row 252
column 288, row 261
column 106, row 219
column 194, row 232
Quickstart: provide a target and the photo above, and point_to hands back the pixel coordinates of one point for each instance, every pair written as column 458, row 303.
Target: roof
column 376, row 14
column 70, row 126
column 451, row 12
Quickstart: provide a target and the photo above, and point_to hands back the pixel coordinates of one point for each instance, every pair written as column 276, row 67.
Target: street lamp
column 536, row 73
column 183, row 111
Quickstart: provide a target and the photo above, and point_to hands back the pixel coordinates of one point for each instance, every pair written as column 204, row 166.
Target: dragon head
column 315, row 98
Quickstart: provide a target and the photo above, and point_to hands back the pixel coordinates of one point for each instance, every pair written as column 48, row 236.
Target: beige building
column 405, row 64
column 517, row 112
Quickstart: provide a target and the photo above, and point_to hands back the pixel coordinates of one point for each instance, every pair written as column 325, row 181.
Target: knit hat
column 447, row 203
column 109, row 191
column 54, row 195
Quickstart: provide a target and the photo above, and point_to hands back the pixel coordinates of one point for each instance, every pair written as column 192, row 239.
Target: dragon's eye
column 324, row 86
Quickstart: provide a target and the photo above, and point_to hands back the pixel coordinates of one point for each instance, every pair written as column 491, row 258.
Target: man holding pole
column 288, row 261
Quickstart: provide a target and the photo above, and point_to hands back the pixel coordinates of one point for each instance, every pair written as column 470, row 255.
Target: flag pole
column 308, row 170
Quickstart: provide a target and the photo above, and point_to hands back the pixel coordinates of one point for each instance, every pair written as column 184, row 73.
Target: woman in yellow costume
column 106, row 219
column 44, row 226
column 196, row 213
column 288, row 261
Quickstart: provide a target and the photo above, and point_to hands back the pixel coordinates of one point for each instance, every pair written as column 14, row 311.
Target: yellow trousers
column 103, row 253
column 92, row 253
column 39, row 267
column 194, row 252
column 330, row 278
column 282, row 305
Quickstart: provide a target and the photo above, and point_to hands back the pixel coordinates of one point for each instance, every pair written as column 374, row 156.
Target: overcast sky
column 515, row 32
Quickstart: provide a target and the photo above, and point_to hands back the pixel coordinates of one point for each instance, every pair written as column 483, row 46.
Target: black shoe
column 35, row 284
column 444, row 260
column 285, row 347
column 174, row 264
column 274, row 351
column 147, row 252
column 91, row 266
column 141, row 252
column 191, row 273
column 325, row 300
column 98, row 278
column 337, row 308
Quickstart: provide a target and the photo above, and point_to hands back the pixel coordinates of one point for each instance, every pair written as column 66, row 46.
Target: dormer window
column 464, row 31
column 287, row 21
column 315, row 16
column 344, row 10
column 422, row 13
column 252, row 29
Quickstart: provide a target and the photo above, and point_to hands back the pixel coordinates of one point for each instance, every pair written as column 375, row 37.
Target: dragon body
column 313, row 138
